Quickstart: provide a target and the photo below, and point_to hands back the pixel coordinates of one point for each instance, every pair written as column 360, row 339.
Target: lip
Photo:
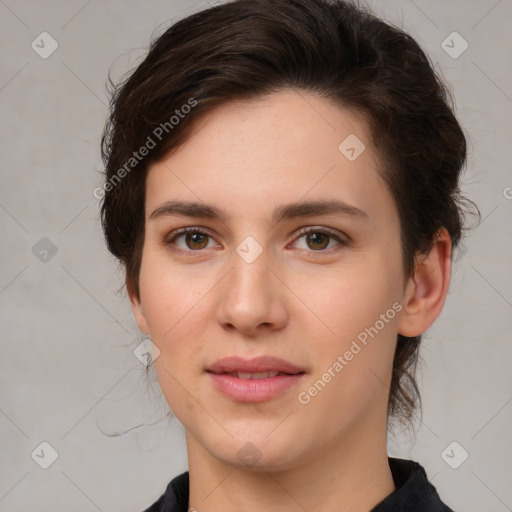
column 253, row 390
column 256, row 364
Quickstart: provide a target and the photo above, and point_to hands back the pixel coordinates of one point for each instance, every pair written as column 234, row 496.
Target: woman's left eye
column 317, row 239
column 196, row 239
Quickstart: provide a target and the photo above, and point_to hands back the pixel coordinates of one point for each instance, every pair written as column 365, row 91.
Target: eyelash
column 169, row 241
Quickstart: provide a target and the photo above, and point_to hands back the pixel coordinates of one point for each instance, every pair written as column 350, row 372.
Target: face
column 247, row 281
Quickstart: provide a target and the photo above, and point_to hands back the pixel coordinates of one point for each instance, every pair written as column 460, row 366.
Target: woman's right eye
column 193, row 239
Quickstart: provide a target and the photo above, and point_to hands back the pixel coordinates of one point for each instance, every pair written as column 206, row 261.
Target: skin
column 302, row 300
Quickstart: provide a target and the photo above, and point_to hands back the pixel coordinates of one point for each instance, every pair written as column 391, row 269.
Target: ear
column 138, row 312
column 426, row 290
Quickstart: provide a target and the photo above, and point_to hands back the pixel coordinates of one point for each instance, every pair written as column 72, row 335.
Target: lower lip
column 254, row 390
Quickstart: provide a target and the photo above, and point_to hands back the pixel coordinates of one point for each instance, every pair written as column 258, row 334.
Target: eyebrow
column 280, row 213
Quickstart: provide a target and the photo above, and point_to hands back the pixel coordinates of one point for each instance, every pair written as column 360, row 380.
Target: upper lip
column 256, row 364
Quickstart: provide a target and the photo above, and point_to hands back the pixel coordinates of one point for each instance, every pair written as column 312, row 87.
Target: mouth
column 254, row 366
column 255, row 375
column 254, row 380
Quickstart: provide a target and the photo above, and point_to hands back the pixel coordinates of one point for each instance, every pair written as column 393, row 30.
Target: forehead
column 255, row 155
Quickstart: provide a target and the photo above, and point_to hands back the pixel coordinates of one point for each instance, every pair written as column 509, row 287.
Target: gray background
column 68, row 373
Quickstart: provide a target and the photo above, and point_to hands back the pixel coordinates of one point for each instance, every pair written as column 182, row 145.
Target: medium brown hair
column 246, row 49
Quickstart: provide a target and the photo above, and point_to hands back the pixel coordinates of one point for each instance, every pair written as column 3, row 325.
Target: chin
column 257, row 453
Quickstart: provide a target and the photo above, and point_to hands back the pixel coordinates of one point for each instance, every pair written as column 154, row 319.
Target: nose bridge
column 250, row 257
column 250, row 276
column 251, row 296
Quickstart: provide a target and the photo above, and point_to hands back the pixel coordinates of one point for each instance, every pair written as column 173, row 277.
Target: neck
column 351, row 474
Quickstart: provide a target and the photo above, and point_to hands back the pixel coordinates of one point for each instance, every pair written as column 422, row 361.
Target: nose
column 253, row 298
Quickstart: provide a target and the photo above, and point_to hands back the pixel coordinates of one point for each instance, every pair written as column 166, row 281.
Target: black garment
column 413, row 493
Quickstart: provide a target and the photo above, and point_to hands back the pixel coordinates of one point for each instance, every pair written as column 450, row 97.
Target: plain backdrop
column 68, row 373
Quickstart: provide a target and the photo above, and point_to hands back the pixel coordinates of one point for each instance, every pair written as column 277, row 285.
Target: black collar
column 413, row 493
column 413, row 490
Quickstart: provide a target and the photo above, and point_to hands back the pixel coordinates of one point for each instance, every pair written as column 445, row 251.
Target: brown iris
column 315, row 238
column 197, row 240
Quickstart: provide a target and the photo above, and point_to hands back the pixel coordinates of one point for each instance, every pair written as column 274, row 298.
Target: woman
column 282, row 191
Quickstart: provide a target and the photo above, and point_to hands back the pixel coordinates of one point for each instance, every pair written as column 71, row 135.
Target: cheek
column 174, row 312
column 168, row 294
column 345, row 301
column 172, row 305
column 352, row 367
column 356, row 319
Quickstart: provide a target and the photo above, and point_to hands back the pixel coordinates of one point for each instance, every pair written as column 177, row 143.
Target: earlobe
column 138, row 313
column 426, row 290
